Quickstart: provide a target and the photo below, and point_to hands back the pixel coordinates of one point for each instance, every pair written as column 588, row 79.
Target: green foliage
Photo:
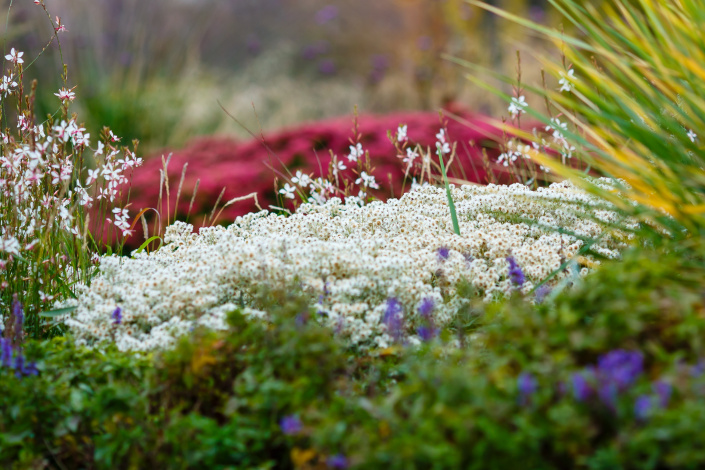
column 218, row 398
column 465, row 409
column 635, row 103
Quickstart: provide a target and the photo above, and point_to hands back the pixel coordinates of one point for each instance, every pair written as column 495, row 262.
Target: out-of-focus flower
column 291, row 425
column 326, row 14
column 643, row 406
column 527, row 386
column 567, row 80
column 515, row 273
column 516, row 107
column 401, row 133
column 338, row 462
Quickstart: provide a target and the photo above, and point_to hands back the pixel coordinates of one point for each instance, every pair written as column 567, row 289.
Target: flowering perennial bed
column 358, row 262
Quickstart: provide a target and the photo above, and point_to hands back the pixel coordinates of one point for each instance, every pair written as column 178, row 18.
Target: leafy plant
column 631, row 87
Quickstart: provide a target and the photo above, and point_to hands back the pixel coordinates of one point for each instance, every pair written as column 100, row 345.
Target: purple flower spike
column 426, row 307
column 393, row 319
column 443, row 253
column 643, row 406
column 291, row 425
column 117, row 316
column 18, row 314
column 527, row 386
column 663, row 391
column 6, row 352
column 338, row 461
column 582, row 391
column 515, row 272
column 427, row 333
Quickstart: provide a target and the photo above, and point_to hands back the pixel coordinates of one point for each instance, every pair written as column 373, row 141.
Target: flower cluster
column 11, row 355
column 46, row 191
column 376, row 273
column 240, row 167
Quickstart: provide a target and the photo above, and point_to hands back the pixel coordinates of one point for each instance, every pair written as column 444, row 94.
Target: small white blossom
column 65, row 94
column 692, row 135
column 401, row 133
column 288, row 191
column 301, row 179
column 355, row 152
column 15, row 56
column 567, row 80
column 516, row 107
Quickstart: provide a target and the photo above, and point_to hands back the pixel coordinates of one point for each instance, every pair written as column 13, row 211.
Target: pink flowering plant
column 56, row 183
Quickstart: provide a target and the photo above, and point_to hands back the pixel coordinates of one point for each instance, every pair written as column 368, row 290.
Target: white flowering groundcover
column 350, row 258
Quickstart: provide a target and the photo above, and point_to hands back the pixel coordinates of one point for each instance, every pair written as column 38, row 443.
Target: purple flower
column 443, row 253
column 515, row 272
column 326, row 14
column 117, row 316
column 326, row 67
column 541, row 293
column 426, row 307
column 620, row 367
column 643, row 406
column 337, row 461
column 6, row 352
column 698, row 369
column 663, row 390
column 527, row 386
column 312, row 51
column 18, row 314
column 393, row 318
column 581, row 387
column 427, row 333
column 291, row 425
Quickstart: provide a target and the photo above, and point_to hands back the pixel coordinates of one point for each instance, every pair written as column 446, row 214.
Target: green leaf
column 147, row 242
column 58, row 312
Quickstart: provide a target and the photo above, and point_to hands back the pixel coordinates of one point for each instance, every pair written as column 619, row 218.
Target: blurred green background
column 155, row 70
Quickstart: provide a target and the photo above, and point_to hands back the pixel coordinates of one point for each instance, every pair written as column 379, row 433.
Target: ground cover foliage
column 596, row 378
column 565, row 369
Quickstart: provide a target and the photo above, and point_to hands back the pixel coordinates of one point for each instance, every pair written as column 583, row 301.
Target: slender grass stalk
column 451, row 204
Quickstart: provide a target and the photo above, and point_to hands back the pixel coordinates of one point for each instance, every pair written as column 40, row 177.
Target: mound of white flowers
column 352, row 260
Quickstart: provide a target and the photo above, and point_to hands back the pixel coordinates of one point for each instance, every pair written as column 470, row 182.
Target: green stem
column 451, row 204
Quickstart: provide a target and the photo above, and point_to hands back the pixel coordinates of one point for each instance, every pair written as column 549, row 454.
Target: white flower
column 301, row 179
column 517, row 106
column 443, row 147
column 401, row 134
column 65, row 94
column 566, row 81
column 288, row 191
column 411, row 155
column 338, row 166
column 367, row 181
column 355, row 152
column 441, row 136
column 7, row 85
column 15, row 56
column 692, row 135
